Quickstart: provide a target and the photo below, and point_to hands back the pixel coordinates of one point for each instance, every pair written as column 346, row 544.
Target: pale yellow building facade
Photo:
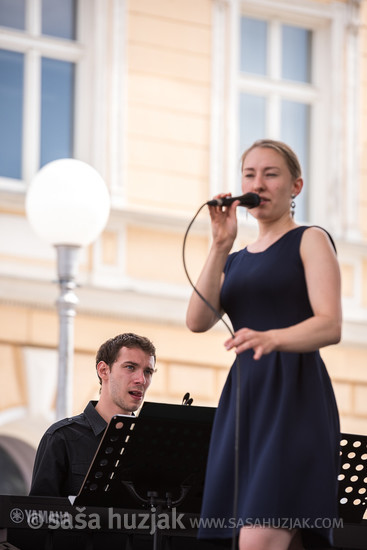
column 156, row 113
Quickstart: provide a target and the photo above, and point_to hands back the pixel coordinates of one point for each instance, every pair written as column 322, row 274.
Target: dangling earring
column 293, row 206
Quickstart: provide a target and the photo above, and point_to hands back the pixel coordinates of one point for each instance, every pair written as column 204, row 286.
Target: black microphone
column 250, row 200
column 187, row 400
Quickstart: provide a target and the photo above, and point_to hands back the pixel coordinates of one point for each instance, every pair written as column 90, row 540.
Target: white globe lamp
column 67, row 205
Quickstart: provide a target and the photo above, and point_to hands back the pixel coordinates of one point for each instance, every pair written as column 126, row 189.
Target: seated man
column 125, row 365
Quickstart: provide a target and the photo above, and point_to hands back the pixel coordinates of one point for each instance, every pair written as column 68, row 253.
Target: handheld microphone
column 250, row 200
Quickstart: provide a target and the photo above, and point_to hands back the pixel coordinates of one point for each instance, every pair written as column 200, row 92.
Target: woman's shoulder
column 313, row 234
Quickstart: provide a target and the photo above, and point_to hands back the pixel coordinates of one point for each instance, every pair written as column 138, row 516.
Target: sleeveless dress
column 289, row 423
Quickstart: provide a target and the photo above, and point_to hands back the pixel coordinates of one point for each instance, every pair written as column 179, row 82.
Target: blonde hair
column 283, row 149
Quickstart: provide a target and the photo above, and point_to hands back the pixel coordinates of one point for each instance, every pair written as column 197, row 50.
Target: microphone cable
column 238, row 392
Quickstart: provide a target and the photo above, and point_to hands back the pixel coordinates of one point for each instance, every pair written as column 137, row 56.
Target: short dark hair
column 109, row 350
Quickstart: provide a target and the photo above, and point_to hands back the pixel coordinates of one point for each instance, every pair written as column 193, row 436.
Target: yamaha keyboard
column 49, row 523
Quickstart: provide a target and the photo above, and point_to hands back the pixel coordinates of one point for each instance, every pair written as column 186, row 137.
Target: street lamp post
column 67, row 205
column 67, row 266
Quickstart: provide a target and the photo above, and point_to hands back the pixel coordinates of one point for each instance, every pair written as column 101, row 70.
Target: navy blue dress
column 289, row 423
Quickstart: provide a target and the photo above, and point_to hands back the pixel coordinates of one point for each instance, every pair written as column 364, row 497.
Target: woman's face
column 265, row 172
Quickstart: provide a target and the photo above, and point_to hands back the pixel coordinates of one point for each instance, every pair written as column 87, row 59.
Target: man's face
column 129, row 378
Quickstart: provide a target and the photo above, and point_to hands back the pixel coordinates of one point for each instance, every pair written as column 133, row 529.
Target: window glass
column 296, row 54
column 57, row 102
column 252, row 119
column 12, row 14
column 295, row 130
column 252, row 123
column 11, row 113
column 277, row 104
column 59, row 18
column 253, row 46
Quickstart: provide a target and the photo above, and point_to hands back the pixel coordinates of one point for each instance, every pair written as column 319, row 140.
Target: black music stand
column 155, row 459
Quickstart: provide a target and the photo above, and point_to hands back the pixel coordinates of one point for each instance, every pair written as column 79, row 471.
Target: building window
column 57, row 99
column 11, row 113
column 12, row 14
column 39, row 58
column 276, row 92
column 59, row 18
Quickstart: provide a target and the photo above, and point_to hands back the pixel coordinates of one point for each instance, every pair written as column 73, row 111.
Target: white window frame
column 34, row 46
column 99, row 55
column 329, row 157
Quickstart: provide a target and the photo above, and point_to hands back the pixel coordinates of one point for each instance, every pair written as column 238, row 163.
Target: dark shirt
column 65, row 453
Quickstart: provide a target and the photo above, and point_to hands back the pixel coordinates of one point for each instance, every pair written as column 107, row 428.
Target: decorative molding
column 117, row 101
column 109, row 297
column 353, row 108
column 12, row 415
column 40, row 367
